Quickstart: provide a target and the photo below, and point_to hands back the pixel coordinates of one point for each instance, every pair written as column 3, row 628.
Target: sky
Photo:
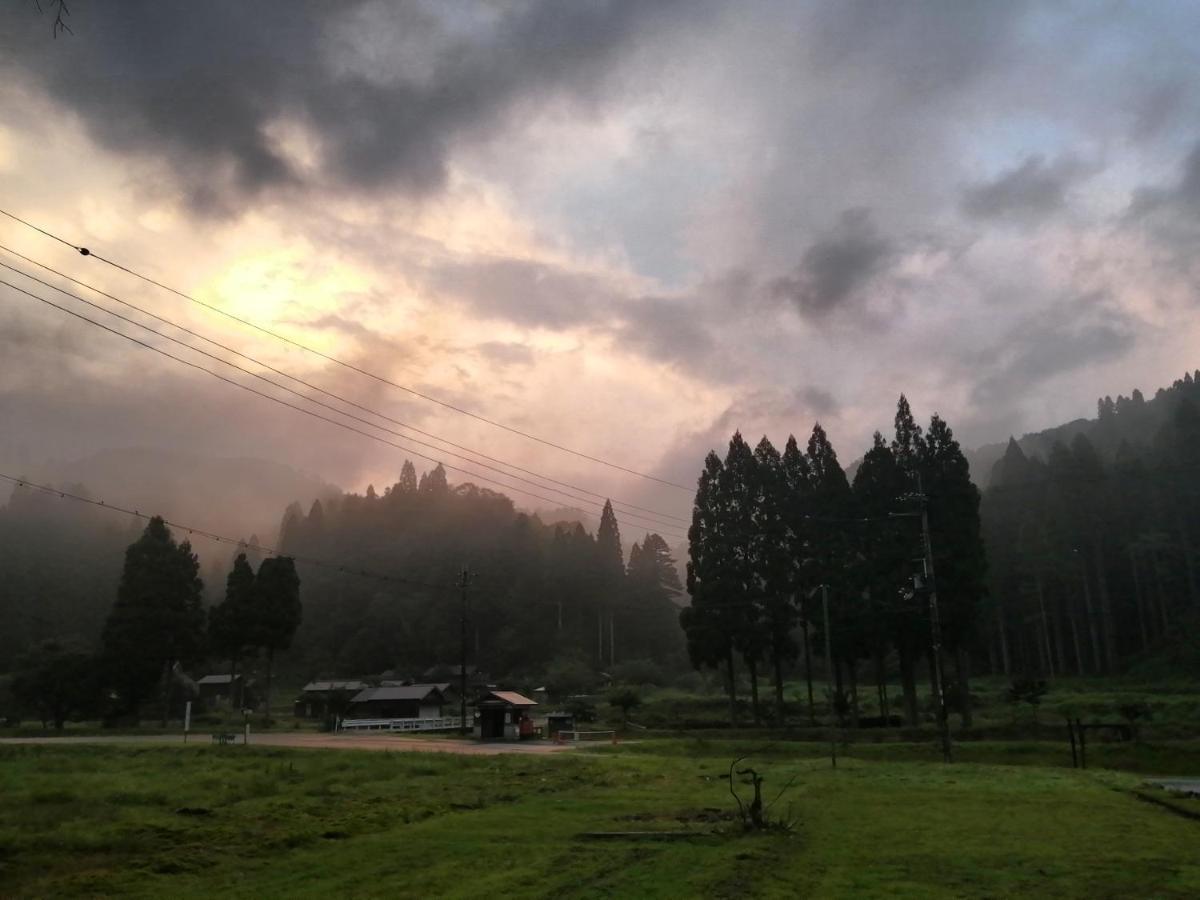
column 627, row 227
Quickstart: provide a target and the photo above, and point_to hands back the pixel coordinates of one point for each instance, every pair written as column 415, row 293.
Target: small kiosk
column 504, row 716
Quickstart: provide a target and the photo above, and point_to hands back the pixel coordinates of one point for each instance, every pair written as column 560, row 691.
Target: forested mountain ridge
column 1094, row 550
column 1133, row 419
column 1092, row 559
column 535, row 592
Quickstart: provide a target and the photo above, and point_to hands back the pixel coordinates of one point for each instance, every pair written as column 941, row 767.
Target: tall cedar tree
column 773, row 560
column 744, row 586
column 231, row 623
column 611, row 566
column 797, row 485
column 886, row 551
column 956, row 535
column 912, row 632
column 653, row 583
column 829, row 544
column 157, row 620
column 278, row 611
column 709, row 622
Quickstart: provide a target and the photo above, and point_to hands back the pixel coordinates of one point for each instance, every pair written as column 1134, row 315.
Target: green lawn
column 199, row 821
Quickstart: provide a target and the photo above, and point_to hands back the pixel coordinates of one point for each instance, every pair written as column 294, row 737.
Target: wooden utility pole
column 935, row 625
column 464, row 580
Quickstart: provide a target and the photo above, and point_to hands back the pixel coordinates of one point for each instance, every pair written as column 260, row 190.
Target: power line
column 222, row 539
column 317, row 388
column 292, row 406
column 84, row 251
column 656, row 519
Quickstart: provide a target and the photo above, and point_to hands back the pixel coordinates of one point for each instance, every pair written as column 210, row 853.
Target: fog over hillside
column 238, row 497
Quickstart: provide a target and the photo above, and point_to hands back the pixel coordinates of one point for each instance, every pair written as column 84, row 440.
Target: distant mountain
column 1131, row 420
column 232, row 496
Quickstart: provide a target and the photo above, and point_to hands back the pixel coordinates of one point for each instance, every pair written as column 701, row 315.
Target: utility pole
column 935, row 624
column 464, row 580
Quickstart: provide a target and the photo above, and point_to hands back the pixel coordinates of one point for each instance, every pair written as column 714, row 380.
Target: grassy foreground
column 202, row 821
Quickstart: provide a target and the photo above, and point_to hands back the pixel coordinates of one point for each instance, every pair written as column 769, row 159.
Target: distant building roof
column 512, row 698
column 217, row 679
column 398, row 692
column 322, row 687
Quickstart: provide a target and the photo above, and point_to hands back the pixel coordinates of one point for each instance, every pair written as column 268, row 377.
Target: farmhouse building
column 212, row 689
column 413, row 701
column 319, row 699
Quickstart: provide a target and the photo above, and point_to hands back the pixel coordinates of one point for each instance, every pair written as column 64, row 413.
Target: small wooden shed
column 504, row 716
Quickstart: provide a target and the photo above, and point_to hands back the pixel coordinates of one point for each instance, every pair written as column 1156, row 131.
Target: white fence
column 441, row 723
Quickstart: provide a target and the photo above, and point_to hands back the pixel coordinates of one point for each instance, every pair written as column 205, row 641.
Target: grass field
column 201, row 821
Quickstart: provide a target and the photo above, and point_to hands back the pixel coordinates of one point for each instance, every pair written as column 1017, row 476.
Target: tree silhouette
column 157, row 620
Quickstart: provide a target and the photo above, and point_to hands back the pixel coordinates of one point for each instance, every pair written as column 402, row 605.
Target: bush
column 625, row 699
column 567, row 676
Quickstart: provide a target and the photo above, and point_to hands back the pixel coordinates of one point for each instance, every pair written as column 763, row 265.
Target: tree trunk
column 1041, row 645
column 267, row 692
column 881, row 684
column 1059, row 647
column 1045, row 626
column 908, row 684
column 752, row 666
column 1093, row 628
column 779, row 711
column 853, row 665
column 1002, row 630
column 812, row 712
column 1138, row 598
column 166, row 691
column 612, row 637
column 1163, row 612
column 1189, row 560
column 962, row 668
column 1106, row 614
column 731, row 686
column 933, row 670
column 1074, row 619
column 600, row 636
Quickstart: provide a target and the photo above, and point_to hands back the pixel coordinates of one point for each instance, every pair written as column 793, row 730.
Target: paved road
column 314, row 740
column 1179, row 785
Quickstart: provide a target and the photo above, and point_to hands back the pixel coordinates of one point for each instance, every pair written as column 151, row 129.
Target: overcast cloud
column 629, row 226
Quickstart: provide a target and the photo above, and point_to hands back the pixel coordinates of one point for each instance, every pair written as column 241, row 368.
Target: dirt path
column 313, row 740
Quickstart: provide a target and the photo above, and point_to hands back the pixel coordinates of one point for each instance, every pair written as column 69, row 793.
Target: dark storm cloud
column 835, row 268
column 199, row 85
column 1029, row 192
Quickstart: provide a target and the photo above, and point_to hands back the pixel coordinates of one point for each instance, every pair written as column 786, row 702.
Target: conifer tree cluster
column 774, row 535
column 539, row 593
column 1096, row 548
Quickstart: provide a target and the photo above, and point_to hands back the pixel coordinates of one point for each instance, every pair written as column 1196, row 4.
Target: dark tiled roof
column 402, row 692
